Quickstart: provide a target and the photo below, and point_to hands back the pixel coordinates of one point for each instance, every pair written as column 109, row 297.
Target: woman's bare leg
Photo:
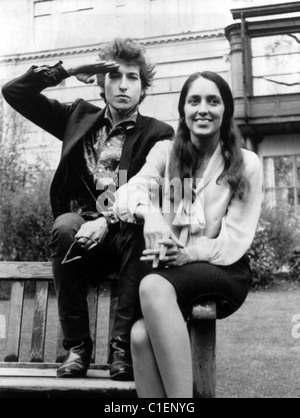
column 168, row 335
column 146, row 374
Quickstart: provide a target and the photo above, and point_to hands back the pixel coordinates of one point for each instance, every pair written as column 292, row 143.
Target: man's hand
column 92, row 233
column 85, row 73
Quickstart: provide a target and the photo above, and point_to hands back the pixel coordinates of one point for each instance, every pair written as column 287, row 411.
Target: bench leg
column 203, row 344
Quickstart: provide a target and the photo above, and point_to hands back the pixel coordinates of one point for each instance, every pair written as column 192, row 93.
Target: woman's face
column 204, row 110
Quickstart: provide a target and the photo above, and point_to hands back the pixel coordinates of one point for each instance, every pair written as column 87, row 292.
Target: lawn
column 257, row 356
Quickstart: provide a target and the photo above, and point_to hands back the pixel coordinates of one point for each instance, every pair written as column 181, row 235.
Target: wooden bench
column 31, row 340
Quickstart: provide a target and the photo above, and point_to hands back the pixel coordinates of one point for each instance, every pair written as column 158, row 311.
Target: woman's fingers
column 168, row 260
column 155, row 262
column 172, row 241
column 147, row 242
column 164, row 247
column 176, row 240
column 163, row 251
column 154, row 256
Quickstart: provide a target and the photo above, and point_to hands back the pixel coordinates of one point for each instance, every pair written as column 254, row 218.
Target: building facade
column 265, row 67
column 178, row 37
column 255, row 48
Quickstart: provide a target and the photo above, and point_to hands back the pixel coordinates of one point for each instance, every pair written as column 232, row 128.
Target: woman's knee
column 156, row 290
column 139, row 336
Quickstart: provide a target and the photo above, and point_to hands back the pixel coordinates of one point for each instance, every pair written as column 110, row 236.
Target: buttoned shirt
column 102, row 150
column 218, row 227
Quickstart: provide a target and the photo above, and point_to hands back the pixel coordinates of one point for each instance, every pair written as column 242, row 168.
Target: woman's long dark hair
column 184, row 159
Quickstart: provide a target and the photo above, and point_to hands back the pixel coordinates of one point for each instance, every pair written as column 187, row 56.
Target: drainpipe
column 245, row 71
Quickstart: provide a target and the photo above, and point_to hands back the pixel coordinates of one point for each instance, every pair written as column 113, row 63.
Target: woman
column 196, row 234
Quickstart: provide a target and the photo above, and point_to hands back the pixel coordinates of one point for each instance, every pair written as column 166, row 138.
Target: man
column 96, row 145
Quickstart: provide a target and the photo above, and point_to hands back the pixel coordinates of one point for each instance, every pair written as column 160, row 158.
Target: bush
column 262, row 256
column 26, row 220
column 274, row 246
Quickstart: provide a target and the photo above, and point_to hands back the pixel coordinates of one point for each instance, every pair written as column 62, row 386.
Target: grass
column 257, row 357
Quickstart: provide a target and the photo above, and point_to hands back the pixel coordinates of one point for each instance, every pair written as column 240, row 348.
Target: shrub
column 274, row 245
column 262, row 256
column 25, row 221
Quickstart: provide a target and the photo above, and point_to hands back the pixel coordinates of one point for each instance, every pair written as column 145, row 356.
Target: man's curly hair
column 129, row 52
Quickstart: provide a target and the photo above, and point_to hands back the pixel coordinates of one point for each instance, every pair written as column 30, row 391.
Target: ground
column 257, row 354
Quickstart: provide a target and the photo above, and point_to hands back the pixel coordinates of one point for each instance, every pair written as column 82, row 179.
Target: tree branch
column 278, row 82
column 294, row 37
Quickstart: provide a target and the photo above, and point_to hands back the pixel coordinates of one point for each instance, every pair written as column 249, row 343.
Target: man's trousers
column 120, row 251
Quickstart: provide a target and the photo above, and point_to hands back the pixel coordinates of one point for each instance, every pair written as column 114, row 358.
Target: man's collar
column 131, row 117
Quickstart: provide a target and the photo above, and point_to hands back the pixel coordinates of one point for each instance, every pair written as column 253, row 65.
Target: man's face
column 123, row 88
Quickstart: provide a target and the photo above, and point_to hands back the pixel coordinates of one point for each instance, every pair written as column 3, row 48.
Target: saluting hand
column 86, row 72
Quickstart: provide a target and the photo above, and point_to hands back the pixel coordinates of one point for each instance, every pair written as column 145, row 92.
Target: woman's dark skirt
column 228, row 286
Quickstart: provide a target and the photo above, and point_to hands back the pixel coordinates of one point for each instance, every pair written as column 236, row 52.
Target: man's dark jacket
column 70, row 123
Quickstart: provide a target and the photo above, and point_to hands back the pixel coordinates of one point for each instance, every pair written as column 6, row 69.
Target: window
column 120, row 7
column 42, row 8
column 282, row 180
column 276, row 64
column 59, row 23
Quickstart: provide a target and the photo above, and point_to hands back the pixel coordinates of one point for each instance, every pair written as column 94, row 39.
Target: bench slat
column 39, row 322
column 104, row 295
column 60, row 351
column 30, row 365
column 34, row 270
column 92, row 300
column 44, row 372
column 12, row 347
column 113, row 306
column 26, row 270
column 99, row 383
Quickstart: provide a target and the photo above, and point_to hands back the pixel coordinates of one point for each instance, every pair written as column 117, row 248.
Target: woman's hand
column 169, row 254
column 160, row 241
column 86, row 72
column 92, row 233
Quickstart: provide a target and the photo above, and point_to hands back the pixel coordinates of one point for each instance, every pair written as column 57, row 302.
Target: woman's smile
column 204, row 111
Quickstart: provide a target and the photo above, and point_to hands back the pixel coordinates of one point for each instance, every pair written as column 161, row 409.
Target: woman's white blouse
column 219, row 227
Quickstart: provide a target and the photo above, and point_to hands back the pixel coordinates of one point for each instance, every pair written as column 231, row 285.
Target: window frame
column 296, row 181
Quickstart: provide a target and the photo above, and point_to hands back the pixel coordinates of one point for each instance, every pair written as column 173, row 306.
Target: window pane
column 269, row 172
column 278, row 171
column 276, row 60
column 298, row 169
column 284, row 175
column 42, row 8
column 280, row 196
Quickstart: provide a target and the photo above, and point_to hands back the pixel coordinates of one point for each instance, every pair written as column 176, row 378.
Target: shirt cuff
column 199, row 252
column 51, row 75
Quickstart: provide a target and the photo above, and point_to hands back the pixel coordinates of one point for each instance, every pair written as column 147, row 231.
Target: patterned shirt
column 102, row 150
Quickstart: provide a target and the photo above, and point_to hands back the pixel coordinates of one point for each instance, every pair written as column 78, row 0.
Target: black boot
column 120, row 361
column 77, row 361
